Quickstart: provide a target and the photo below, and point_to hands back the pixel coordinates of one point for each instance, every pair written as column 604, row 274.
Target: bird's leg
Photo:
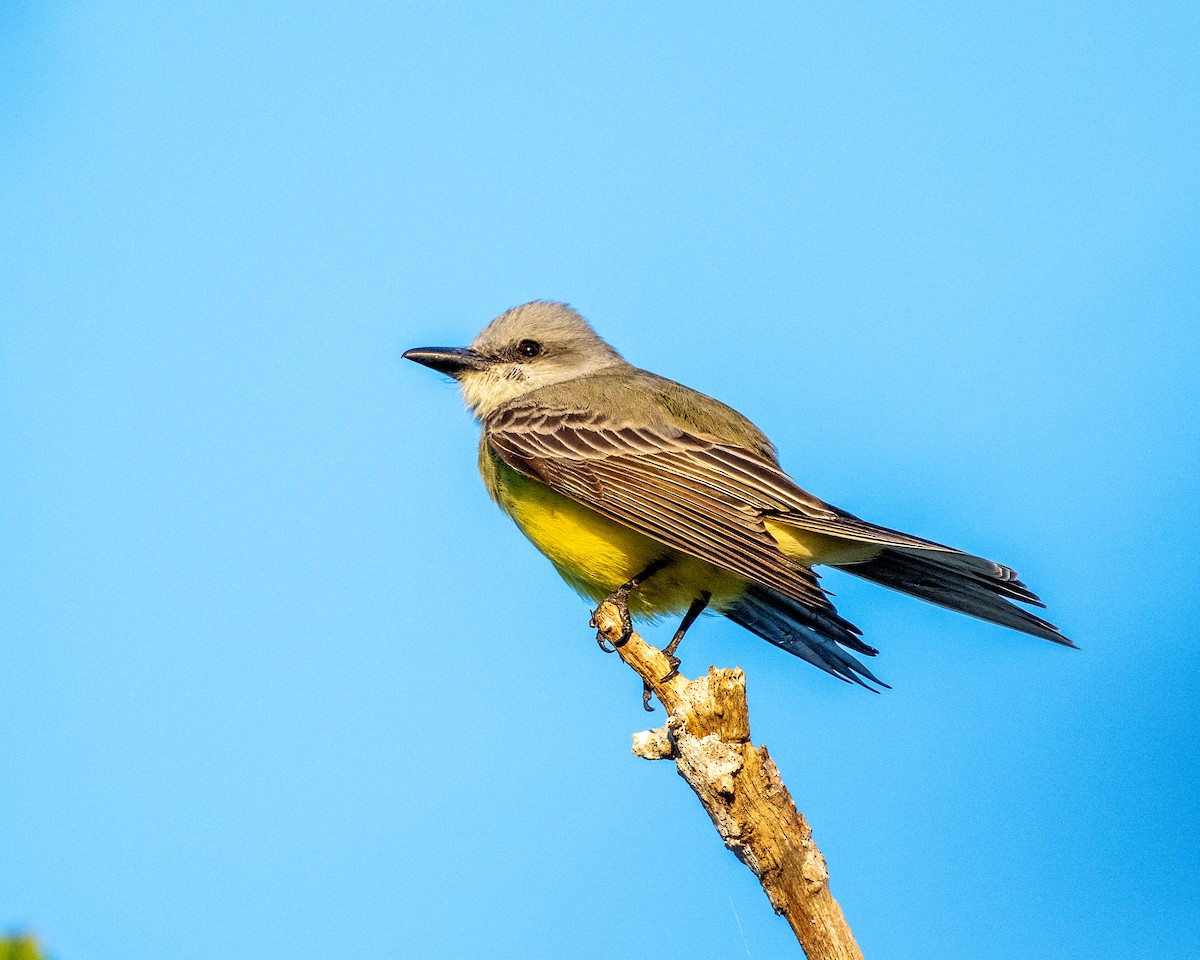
column 685, row 624
column 619, row 598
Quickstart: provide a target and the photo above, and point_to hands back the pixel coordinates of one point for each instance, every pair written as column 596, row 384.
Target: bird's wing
column 699, row 495
column 712, row 499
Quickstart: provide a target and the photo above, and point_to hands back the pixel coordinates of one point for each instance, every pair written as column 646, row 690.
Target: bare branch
column 707, row 734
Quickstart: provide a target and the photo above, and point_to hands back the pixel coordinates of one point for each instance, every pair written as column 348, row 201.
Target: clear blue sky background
column 276, row 680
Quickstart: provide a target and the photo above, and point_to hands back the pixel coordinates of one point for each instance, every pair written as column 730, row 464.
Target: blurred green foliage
column 19, row 948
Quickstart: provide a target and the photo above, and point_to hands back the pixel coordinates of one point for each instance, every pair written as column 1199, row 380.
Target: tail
column 961, row 582
column 815, row 636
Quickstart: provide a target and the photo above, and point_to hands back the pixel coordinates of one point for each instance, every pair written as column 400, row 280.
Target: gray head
column 527, row 347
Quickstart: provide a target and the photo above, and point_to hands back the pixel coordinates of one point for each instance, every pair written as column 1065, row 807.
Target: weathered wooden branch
column 707, row 734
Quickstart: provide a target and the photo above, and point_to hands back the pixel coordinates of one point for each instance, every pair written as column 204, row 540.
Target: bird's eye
column 529, row 348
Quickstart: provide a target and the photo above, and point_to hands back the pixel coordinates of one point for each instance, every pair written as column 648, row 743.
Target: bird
column 666, row 502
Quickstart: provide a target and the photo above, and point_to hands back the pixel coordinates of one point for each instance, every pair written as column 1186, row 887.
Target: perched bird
column 665, row 501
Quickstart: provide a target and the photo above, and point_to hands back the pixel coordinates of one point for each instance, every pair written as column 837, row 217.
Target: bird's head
column 526, row 348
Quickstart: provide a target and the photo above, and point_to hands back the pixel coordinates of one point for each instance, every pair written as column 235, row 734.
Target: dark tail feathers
column 961, row 582
column 813, row 636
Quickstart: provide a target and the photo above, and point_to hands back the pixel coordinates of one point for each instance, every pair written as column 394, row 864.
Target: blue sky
column 276, row 680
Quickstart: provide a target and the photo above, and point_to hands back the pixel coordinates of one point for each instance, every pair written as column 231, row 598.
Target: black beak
column 453, row 361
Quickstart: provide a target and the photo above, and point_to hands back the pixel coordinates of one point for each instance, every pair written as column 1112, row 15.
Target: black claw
column 601, row 640
column 619, row 598
column 626, row 630
column 674, row 661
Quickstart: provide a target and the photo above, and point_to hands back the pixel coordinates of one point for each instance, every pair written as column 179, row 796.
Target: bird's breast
column 594, row 554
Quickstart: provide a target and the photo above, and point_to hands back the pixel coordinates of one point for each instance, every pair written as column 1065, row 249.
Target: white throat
column 485, row 391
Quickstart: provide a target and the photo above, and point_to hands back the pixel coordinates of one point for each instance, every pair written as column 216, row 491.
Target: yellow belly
column 596, row 555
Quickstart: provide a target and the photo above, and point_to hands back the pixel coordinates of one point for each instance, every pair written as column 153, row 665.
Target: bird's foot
column 601, row 640
column 619, row 598
column 696, row 608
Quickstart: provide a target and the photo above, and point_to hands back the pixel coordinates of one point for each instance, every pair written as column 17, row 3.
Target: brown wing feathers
column 708, row 499
column 662, row 482
column 657, row 484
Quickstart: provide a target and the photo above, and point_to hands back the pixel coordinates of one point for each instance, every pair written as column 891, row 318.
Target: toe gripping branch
column 685, row 624
column 619, row 598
